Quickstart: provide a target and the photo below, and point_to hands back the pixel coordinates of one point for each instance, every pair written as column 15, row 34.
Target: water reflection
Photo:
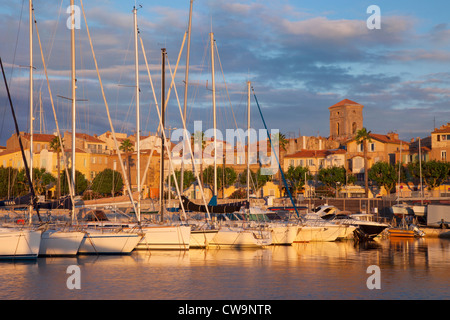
column 410, row 268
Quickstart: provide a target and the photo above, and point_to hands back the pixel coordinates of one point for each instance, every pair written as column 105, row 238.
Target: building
column 382, row 147
column 346, row 118
column 440, row 143
column 315, row 159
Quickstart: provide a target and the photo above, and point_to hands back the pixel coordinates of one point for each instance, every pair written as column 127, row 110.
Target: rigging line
column 127, row 183
column 52, row 38
column 275, row 154
column 153, row 91
column 189, row 144
column 66, row 165
column 24, row 159
column 13, row 62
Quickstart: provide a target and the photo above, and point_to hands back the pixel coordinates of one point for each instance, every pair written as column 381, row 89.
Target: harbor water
column 407, row 269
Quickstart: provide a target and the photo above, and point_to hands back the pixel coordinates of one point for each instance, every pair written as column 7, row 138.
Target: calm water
column 409, row 269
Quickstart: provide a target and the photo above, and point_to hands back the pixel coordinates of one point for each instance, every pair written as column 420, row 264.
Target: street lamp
column 338, row 183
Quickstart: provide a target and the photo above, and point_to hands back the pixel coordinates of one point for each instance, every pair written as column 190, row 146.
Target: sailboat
column 54, row 240
column 96, row 240
column 17, row 242
column 155, row 236
column 404, row 230
column 232, row 236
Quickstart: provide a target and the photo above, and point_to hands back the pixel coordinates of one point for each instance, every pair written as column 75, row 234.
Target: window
column 372, row 147
column 311, row 162
column 337, row 128
column 360, row 147
column 444, row 137
column 354, row 126
column 444, row 155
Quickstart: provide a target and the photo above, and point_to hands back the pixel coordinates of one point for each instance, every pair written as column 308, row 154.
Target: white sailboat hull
column 16, row 243
column 235, row 237
column 318, row 233
column 98, row 242
column 201, row 238
column 60, row 243
column 283, row 234
column 164, row 238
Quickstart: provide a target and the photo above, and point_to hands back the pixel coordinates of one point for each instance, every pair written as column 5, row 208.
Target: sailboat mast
column 163, row 116
column 214, row 111
column 248, row 142
column 186, row 79
column 31, row 93
column 420, row 170
column 73, row 78
column 138, row 128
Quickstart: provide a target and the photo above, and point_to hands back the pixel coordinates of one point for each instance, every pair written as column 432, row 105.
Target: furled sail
column 220, row 208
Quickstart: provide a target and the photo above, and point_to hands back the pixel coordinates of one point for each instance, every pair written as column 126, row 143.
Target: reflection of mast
column 214, row 111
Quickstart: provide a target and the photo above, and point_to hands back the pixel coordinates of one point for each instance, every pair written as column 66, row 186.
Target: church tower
column 346, row 118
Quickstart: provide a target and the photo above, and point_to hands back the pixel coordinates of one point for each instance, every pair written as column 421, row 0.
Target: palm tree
column 363, row 136
column 128, row 148
column 55, row 146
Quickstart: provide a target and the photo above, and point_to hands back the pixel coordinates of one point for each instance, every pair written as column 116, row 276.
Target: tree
column 127, row 147
column 107, row 182
column 295, row 177
column 334, row 177
column 434, row 173
column 384, row 175
column 257, row 180
column 188, row 178
column 7, row 176
column 55, row 146
column 81, row 183
column 363, row 136
column 41, row 179
column 230, row 177
column 282, row 142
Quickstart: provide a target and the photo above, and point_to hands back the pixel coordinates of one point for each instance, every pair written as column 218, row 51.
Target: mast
column 214, row 112
column 163, row 108
column 420, row 168
column 138, row 129
column 31, row 93
column 73, row 101
column 248, row 142
column 186, row 79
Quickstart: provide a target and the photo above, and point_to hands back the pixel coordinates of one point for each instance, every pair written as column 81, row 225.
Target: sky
column 301, row 57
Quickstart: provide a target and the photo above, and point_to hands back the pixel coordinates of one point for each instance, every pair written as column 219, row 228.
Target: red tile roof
column 314, row 153
column 443, row 129
column 345, row 102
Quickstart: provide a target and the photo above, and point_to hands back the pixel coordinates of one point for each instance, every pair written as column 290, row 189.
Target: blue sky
column 301, row 57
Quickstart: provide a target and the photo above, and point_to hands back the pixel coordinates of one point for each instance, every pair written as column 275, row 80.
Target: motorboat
column 313, row 228
column 365, row 225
